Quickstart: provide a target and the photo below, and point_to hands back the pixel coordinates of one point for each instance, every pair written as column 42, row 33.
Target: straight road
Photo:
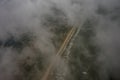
column 60, row 52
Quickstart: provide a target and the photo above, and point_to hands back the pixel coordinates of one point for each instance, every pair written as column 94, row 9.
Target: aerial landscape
column 59, row 39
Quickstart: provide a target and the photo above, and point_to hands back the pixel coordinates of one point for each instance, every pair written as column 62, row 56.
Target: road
column 60, row 52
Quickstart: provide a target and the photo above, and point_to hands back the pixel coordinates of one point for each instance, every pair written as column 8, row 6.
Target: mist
column 26, row 34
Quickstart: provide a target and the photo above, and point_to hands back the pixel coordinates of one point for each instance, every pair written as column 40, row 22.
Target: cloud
column 19, row 17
